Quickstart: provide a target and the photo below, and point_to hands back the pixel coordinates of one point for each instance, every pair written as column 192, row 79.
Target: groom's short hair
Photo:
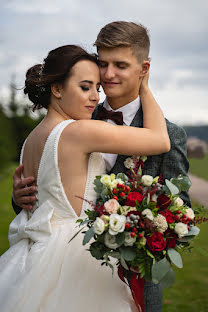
column 125, row 34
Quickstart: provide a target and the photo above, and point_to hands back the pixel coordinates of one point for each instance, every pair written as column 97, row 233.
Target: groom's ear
column 56, row 90
column 145, row 68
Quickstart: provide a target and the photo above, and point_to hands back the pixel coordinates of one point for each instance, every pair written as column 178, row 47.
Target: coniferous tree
column 12, row 104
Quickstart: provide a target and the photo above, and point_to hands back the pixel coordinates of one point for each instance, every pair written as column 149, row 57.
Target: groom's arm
column 23, row 191
column 175, row 162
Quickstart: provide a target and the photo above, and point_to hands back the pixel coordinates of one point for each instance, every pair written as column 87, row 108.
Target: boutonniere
column 135, row 161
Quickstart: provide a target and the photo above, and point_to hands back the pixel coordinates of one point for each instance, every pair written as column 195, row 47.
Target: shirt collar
column 129, row 110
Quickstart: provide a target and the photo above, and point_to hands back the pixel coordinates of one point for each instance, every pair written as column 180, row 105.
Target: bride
column 41, row 272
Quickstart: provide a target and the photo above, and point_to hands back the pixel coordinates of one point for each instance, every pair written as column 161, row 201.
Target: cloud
column 178, row 30
column 185, row 105
column 38, row 6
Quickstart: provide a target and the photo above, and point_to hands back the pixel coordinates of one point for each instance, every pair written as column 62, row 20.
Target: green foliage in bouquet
column 141, row 222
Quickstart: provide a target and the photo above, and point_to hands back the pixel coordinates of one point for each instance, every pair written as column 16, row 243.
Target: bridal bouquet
column 142, row 222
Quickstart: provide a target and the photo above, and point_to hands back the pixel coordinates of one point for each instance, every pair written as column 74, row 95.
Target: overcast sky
column 179, row 44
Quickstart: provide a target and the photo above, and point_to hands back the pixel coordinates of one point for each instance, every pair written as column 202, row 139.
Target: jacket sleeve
column 16, row 208
column 175, row 162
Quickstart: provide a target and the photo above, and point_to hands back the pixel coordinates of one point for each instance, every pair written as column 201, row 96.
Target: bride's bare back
column 72, row 162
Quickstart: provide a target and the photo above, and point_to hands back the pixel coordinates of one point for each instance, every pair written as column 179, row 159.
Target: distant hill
column 200, row 132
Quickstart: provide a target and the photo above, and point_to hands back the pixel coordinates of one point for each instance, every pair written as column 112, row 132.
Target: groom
column 119, row 46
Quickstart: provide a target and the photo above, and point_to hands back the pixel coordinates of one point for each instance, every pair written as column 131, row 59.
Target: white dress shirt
column 129, row 111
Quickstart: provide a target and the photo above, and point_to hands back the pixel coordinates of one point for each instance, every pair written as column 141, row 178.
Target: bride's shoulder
column 82, row 127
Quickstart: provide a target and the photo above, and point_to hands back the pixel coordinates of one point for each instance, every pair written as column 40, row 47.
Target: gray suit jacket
column 169, row 164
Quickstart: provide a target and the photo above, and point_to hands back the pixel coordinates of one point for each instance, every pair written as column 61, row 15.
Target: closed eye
column 122, row 65
column 84, row 88
column 102, row 64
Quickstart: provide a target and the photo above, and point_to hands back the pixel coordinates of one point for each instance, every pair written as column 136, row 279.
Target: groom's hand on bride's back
column 24, row 190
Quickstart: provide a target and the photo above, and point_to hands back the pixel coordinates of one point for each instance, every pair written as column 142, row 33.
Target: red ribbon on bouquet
column 136, row 285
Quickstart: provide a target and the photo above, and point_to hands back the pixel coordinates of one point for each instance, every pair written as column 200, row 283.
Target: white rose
column 111, row 206
column 147, row 180
column 105, row 179
column 129, row 241
column 181, row 229
column 129, row 163
column 110, row 241
column 148, row 214
column 178, row 201
column 99, row 226
column 190, row 213
column 116, row 223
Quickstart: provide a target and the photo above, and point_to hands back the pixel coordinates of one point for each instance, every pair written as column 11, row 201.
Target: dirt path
column 199, row 190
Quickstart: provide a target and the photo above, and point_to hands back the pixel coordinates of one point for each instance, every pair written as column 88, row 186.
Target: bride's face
column 80, row 93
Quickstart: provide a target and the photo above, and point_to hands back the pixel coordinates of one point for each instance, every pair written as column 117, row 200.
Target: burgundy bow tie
column 103, row 114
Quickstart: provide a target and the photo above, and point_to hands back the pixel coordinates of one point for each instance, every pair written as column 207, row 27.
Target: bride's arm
column 100, row 136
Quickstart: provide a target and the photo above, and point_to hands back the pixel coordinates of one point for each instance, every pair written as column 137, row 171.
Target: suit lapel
column 138, row 118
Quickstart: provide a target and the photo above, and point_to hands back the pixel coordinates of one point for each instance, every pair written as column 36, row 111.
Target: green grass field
column 189, row 292
column 6, row 211
column 199, row 167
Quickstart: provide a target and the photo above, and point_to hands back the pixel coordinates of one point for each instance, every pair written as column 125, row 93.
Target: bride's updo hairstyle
column 56, row 68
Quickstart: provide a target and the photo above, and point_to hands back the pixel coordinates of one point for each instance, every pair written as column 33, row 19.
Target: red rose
column 156, row 242
column 168, row 215
column 163, row 201
column 132, row 197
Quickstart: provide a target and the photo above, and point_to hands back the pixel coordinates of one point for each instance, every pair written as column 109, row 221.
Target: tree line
column 16, row 123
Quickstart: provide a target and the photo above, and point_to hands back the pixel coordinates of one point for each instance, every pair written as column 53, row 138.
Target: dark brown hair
column 56, row 67
column 125, row 34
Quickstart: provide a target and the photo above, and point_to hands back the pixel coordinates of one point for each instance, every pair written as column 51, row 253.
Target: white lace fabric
column 41, row 271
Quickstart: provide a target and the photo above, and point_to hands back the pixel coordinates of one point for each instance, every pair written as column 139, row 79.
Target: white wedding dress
column 41, row 271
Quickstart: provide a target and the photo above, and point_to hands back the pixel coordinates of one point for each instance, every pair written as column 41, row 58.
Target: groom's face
column 120, row 72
